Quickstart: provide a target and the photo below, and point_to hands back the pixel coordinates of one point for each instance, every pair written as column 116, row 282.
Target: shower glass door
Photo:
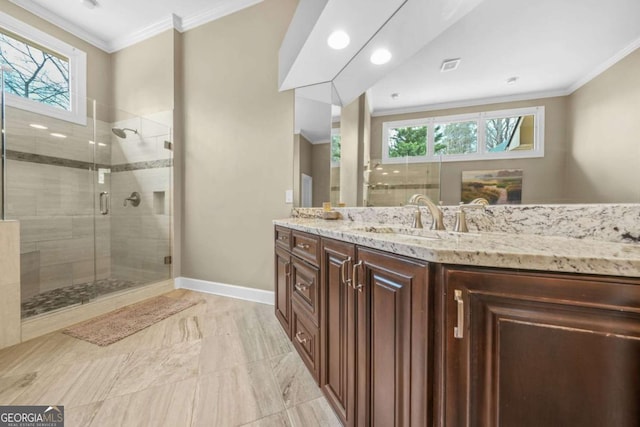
column 93, row 201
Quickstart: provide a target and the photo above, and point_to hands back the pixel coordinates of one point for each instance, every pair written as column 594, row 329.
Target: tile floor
column 73, row 294
column 223, row 362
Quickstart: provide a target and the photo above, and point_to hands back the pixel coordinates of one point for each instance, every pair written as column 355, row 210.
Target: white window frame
column 386, row 126
column 77, row 74
column 482, row 153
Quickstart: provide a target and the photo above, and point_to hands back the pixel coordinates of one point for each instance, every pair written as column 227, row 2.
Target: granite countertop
column 506, row 250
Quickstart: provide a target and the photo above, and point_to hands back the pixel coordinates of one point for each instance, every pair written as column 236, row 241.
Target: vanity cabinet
column 297, row 292
column 532, row 349
column 375, row 331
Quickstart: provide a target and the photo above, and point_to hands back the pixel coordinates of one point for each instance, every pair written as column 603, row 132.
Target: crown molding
column 605, row 65
column 472, row 102
column 67, row 26
column 223, row 9
column 144, row 33
column 172, row 22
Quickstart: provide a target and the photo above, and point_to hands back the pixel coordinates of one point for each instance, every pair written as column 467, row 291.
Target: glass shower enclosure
column 93, row 201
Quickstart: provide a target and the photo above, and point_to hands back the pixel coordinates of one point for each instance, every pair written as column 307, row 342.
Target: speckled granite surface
column 607, row 222
column 586, row 250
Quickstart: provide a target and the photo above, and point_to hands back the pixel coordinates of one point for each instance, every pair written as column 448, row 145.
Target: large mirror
column 524, row 115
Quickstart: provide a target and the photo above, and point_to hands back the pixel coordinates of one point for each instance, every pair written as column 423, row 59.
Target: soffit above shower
column 115, row 24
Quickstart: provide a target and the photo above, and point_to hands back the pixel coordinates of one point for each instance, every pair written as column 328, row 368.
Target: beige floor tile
column 294, row 380
column 150, row 368
column 315, row 413
column 223, row 362
column 280, row 419
column 237, row 396
column 75, row 385
column 169, row 405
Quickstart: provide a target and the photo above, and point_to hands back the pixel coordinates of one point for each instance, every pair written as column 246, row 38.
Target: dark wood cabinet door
column 338, row 329
column 283, row 289
column 392, row 340
column 541, row 350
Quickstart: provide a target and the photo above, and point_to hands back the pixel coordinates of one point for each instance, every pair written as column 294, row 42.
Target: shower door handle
column 104, row 203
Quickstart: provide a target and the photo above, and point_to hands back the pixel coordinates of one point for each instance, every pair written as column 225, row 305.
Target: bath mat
column 116, row 325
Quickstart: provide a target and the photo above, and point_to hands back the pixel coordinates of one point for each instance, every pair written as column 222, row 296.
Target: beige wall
column 354, row 130
column 604, row 136
column 321, row 170
column 143, row 75
column 543, row 177
column 98, row 61
column 238, row 145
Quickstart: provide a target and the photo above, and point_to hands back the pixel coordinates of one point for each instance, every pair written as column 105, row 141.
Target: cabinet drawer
column 306, row 340
column 305, row 287
column 306, row 246
column 283, row 238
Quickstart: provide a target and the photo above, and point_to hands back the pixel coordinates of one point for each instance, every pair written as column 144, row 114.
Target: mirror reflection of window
column 510, row 133
column 456, row 138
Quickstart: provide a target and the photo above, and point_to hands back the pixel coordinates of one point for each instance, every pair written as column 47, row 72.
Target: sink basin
column 414, row 232
column 404, row 231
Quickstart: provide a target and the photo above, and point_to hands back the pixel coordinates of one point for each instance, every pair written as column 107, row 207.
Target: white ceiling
column 552, row 46
column 115, row 24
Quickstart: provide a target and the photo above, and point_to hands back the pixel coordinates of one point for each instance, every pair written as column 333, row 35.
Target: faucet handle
column 417, row 219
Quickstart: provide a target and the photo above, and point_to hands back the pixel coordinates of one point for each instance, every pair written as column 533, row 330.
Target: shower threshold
column 74, row 294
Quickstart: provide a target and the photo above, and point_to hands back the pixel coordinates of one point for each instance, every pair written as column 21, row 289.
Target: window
column 335, row 147
column 42, row 74
column 517, row 133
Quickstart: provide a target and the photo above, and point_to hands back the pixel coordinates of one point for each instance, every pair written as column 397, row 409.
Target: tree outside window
column 36, row 73
column 456, row 138
column 335, row 149
column 408, row 141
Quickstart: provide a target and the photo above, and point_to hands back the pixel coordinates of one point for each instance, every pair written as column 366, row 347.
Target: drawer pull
column 304, row 246
column 283, row 238
column 287, row 269
column 343, row 267
column 458, row 331
column 302, row 287
column 299, row 338
column 355, row 284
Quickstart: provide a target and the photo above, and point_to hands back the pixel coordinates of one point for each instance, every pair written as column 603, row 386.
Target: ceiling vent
column 449, row 64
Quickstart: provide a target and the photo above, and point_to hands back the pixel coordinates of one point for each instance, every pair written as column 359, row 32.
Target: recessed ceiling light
column 338, row 40
column 512, row 80
column 380, row 56
column 379, row 183
column 101, row 144
column 379, row 168
column 449, row 64
column 37, row 126
column 58, row 135
column 385, row 173
column 92, row 142
column 396, row 171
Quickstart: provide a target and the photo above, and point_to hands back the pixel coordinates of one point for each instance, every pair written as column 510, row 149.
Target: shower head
column 120, row 133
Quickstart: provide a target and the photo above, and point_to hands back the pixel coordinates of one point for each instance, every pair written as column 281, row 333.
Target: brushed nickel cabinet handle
column 283, row 238
column 343, row 268
column 287, row 269
column 354, row 277
column 458, row 331
column 300, row 339
column 303, row 246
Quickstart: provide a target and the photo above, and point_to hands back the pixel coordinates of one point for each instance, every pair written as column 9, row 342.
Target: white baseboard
column 232, row 291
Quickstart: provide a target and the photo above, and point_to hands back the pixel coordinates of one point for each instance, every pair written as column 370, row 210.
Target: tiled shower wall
column 50, row 189
column 140, row 236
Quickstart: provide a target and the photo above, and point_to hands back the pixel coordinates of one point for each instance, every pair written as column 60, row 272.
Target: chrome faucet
column 434, row 210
